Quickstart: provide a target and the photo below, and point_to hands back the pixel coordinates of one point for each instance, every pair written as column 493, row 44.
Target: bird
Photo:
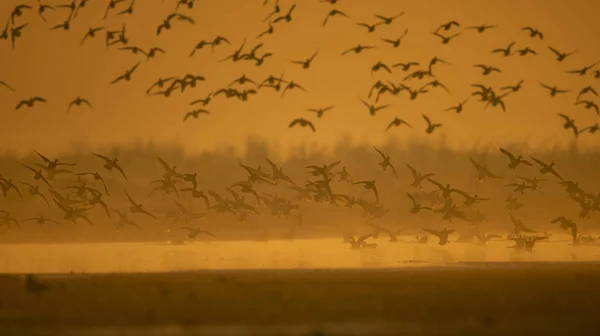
column 569, row 123
column 546, row 168
column 553, row 89
column 77, row 102
column 482, row 28
column 514, row 88
column 560, row 56
column 307, row 62
column 583, row 71
column 110, row 164
column 333, row 13
column 386, row 162
column 446, row 39
column 396, row 42
column 91, row 33
column 303, row 123
column 137, row 207
column 127, row 75
column 30, row 102
column 397, row 122
column 430, row 126
column 459, row 107
column 585, row 90
column 533, row 32
column 483, row 172
column 320, row 111
column 195, row 114
column 515, row 161
column 442, row 235
column 416, row 207
column 373, row 109
column 387, row 20
column 357, row 50
column 505, row 51
column 487, row 69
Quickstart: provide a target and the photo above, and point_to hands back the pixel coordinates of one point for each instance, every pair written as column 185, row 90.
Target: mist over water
column 274, row 254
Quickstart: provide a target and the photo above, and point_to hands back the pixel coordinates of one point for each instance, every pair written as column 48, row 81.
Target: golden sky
column 52, row 64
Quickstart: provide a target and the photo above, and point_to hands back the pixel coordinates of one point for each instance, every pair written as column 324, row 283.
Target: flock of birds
column 87, row 190
column 417, row 78
column 76, row 194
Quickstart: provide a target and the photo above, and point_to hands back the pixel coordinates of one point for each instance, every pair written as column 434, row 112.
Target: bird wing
column 380, row 153
column 507, row 153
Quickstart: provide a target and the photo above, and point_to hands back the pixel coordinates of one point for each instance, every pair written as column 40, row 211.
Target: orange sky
column 51, row 64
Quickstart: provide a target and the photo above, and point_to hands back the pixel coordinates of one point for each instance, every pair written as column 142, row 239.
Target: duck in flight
column 195, row 114
column 569, row 124
column 514, row 88
column 585, row 90
column 416, row 207
column 442, row 235
column 447, row 26
column 396, row 43
column 386, row 162
column 358, row 49
column 77, row 102
column 505, row 51
column 515, row 161
column 525, row 51
column 91, row 33
column 332, row 13
column 137, row 207
column 482, row 28
column 356, row 243
column 583, row 71
column 127, row 75
column 483, row 172
column 430, row 126
column 287, row 17
column 373, row 109
column 547, row 168
column 51, row 164
column 370, row 185
column 110, row 164
column 166, row 24
column 446, row 39
column 567, row 224
column 307, row 62
column 553, row 89
column 30, row 102
column 560, row 56
column 459, row 107
column 388, row 20
column 303, row 123
column 370, row 27
column 487, row 69
column 320, row 111
column 397, row 122
column 533, row 32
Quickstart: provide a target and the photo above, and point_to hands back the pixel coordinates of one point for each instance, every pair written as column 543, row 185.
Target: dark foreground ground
column 506, row 299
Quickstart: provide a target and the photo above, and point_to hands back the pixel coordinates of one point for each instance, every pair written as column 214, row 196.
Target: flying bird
column 303, row 123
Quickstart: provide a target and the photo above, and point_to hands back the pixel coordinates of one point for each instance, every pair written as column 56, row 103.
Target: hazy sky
column 51, row 64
